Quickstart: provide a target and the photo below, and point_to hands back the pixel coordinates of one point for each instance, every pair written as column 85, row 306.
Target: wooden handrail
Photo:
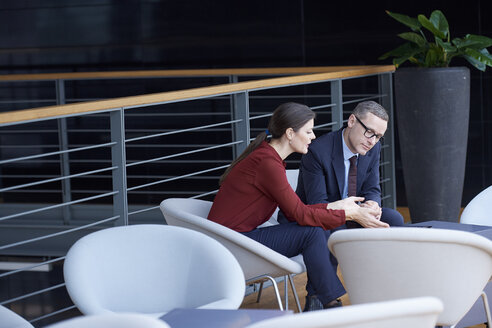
column 155, row 98
column 176, row 73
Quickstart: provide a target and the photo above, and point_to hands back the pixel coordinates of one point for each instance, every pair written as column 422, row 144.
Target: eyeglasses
column 368, row 133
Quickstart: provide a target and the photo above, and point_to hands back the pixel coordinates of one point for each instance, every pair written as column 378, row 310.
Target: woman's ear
column 289, row 133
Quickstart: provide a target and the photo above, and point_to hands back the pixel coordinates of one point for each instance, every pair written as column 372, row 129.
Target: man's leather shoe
column 313, row 304
column 333, row 304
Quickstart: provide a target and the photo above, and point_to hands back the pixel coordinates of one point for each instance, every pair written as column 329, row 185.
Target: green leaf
column 476, row 63
column 408, row 55
column 447, row 46
column 439, row 21
column 406, row 20
column 429, row 26
column 432, row 58
column 482, row 56
column 473, row 41
column 414, row 37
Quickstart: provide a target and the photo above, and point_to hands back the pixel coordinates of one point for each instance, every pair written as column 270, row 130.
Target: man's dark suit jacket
column 322, row 172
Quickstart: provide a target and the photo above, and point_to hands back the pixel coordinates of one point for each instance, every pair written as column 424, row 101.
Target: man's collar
column 347, row 153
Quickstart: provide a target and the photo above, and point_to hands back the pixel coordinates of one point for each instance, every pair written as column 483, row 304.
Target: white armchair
column 151, row 269
column 112, row 320
column 420, row 312
column 10, row 319
column 259, row 263
column 385, row 264
column 477, row 211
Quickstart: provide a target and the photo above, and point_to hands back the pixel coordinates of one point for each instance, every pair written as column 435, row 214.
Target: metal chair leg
column 286, row 293
column 487, row 308
column 277, row 293
column 293, row 287
column 259, row 293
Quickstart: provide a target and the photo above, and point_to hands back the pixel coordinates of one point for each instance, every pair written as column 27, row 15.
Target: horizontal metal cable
column 325, row 125
column 108, row 161
column 58, row 205
column 144, row 210
column 166, row 192
column 27, row 146
column 185, row 153
column 313, row 108
column 28, row 131
column 53, row 313
column 57, row 179
column 27, row 241
column 176, row 178
column 174, row 114
column 12, row 300
column 39, row 191
column 384, row 163
column 181, row 130
column 57, row 153
column 27, row 268
column 384, row 180
column 386, row 197
column 346, row 102
column 260, row 116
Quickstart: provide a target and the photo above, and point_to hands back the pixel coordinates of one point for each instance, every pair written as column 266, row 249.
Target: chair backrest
column 477, row 211
column 254, row 258
column 385, row 264
column 420, row 312
column 292, row 176
column 112, row 320
column 152, row 269
column 10, row 319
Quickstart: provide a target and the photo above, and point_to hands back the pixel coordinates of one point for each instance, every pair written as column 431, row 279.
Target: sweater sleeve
column 272, row 181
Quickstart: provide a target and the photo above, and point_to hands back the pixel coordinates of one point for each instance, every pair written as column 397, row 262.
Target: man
column 324, row 172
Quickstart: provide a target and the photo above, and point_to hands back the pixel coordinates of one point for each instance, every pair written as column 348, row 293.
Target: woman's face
column 302, row 138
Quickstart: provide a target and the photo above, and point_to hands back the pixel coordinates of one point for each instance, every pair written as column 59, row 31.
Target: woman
column 255, row 184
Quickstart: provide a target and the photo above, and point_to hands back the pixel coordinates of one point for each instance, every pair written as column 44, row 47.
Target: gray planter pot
column 432, row 112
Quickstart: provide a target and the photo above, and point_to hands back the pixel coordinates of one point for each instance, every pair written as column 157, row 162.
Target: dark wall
column 77, row 35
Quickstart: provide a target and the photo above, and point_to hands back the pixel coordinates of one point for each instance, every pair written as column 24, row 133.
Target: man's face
column 363, row 133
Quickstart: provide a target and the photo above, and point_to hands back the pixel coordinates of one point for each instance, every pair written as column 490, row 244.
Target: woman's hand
column 344, row 204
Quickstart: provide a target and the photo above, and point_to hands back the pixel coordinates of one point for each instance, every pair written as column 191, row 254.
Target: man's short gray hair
column 370, row 107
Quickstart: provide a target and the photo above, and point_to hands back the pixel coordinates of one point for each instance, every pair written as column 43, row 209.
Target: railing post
column 64, row 157
column 118, row 159
column 388, row 153
column 240, row 130
column 337, row 100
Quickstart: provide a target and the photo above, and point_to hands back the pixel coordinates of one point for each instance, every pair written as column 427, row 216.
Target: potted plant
column 432, row 112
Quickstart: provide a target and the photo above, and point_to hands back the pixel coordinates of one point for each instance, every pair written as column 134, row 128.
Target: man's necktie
column 352, row 177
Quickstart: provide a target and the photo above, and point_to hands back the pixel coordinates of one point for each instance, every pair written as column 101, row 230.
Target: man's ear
column 351, row 121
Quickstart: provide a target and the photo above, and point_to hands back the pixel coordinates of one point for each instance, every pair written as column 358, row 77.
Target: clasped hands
column 367, row 214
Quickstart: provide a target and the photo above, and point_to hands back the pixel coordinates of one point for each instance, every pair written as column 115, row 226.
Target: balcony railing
column 70, row 169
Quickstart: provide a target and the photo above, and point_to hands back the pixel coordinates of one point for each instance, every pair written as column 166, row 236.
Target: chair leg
column 487, row 308
column 293, row 287
column 286, row 293
column 259, row 292
column 277, row 293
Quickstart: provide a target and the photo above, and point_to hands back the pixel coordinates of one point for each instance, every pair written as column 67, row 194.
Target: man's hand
column 367, row 215
column 374, row 205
